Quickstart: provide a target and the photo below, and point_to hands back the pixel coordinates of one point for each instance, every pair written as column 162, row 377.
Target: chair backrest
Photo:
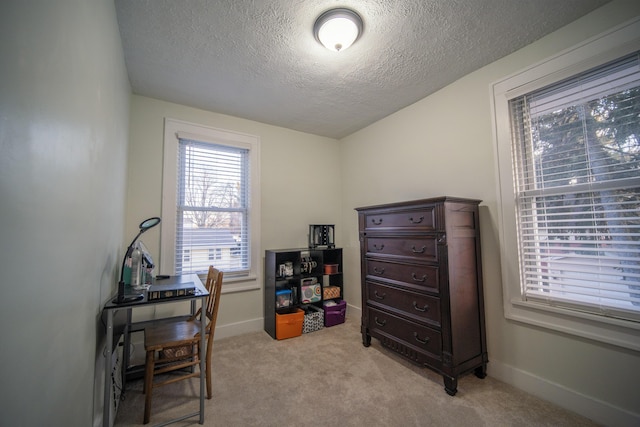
column 214, row 286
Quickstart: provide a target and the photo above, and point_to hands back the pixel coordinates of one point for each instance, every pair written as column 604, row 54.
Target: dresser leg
column 481, row 371
column 366, row 338
column 450, row 385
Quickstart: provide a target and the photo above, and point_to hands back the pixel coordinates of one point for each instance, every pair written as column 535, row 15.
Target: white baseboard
column 597, row 410
column 239, row 328
column 358, row 311
column 222, row 331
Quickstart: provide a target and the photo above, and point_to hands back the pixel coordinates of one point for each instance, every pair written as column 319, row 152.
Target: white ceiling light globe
column 337, row 29
column 338, row 34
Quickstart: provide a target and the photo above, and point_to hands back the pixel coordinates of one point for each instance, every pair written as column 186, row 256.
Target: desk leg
column 203, row 319
column 126, row 352
column 106, row 410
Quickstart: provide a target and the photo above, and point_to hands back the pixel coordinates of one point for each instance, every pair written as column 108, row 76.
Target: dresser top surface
column 419, row 202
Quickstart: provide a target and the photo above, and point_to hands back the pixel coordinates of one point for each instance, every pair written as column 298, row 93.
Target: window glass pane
column 583, row 247
column 212, row 215
column 577, row 163
column 587, row 143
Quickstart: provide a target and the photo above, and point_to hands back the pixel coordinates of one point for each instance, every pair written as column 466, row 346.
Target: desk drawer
column 417, row 306
column 419, row 277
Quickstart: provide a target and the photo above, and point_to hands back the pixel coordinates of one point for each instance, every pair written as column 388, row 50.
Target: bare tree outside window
column 212, row 207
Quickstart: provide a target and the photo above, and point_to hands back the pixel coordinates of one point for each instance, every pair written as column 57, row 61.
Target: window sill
column 237, row 284
column 619, row 333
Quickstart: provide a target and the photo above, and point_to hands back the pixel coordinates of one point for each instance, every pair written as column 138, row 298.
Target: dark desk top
column 201, row 292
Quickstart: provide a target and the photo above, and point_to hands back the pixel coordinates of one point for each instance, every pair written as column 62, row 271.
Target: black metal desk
column 113, row 336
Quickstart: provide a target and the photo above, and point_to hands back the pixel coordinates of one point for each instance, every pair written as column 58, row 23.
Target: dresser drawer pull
column 378, row 222
column 425, row 341
column 381, row 247
column 415, row 279
column 423, row 309
column 377, row 295
column 380, row 322
column 416, row 221
column 380, row 272
column 415, row 251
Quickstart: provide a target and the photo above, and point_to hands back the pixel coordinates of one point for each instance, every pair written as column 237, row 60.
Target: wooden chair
column 174, row 345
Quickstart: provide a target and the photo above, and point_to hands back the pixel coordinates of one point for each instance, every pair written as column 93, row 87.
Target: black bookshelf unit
column 290, row 270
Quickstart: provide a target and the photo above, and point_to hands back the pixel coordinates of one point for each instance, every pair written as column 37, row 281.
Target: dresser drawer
column 411, row 336
column 417, row 219
column 420, row 248
column 419, row 277
column 419, row 307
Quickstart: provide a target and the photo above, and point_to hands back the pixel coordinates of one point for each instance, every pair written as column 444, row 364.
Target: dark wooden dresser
column 422, row 284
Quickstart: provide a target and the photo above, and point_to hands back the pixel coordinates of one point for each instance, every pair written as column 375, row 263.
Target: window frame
column 613, row 44
column 174, row 130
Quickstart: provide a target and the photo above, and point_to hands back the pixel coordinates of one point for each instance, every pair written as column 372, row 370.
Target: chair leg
column 208, row 374
column 148, row 384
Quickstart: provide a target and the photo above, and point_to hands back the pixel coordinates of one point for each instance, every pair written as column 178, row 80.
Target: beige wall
column 64, row 119
column 443, row 145
column 299, row 181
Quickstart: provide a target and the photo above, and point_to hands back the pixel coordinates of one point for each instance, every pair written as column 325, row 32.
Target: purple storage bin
column 334, row 315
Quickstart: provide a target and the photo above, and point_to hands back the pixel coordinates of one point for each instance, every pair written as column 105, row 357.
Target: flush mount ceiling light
column 337, row 29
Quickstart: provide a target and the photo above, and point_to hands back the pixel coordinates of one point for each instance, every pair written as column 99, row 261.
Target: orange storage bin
column 289, row 325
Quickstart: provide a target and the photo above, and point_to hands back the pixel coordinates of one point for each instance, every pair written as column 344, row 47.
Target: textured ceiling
column 258, row 59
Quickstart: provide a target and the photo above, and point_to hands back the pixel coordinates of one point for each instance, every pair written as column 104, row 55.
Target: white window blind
column 212, row 208
column 576, row 152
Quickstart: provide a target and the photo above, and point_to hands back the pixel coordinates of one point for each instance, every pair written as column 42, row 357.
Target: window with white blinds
column 211, row 203
column 212, row 218
column 576, row 163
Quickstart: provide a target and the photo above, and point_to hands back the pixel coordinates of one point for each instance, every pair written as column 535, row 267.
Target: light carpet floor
column 328, row 378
